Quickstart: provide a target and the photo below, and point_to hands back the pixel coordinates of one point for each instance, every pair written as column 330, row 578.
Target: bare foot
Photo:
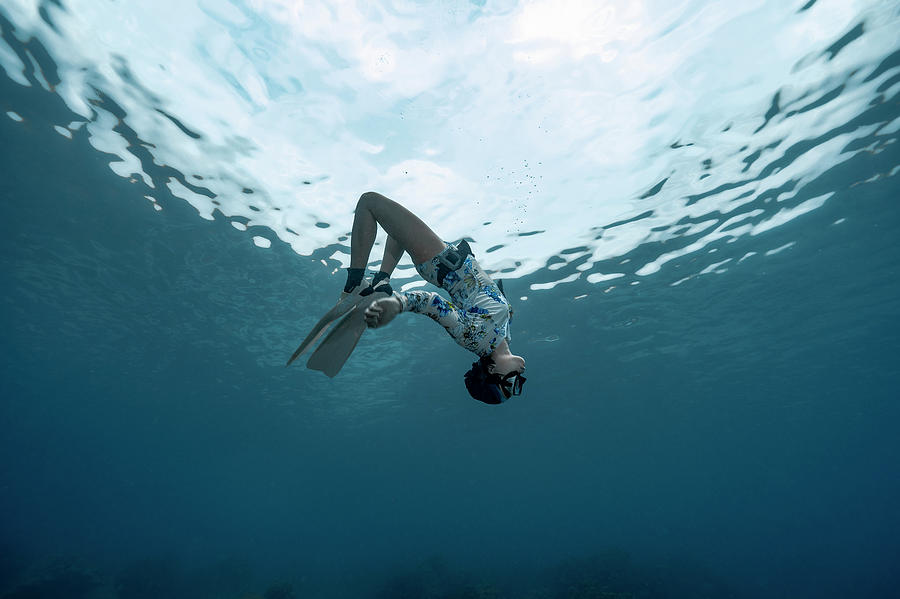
column 381, row 312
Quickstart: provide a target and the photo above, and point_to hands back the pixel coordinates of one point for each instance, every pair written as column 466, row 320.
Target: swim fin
column 344, row 305
column 333, row 352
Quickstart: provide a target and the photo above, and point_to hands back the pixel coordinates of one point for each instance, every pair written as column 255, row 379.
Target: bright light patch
column 582, row 27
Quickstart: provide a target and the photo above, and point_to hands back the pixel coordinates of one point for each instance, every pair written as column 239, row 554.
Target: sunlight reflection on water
column 600, row 142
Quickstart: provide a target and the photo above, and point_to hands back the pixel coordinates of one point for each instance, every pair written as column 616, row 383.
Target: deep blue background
column 738, row 429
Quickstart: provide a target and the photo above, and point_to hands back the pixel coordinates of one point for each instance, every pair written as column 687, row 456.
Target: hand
column 381, row 312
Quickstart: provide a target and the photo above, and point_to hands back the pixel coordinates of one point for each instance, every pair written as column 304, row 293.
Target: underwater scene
column 692, row 206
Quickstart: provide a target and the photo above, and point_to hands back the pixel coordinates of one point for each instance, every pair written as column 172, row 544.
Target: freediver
column 477, row 315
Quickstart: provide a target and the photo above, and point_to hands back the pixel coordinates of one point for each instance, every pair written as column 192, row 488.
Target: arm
column 436, row 307
column 429, row 303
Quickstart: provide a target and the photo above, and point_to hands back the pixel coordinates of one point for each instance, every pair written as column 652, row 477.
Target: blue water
column 705, row 283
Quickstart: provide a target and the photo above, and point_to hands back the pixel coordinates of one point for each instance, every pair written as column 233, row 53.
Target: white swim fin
column 335, row 349
column 347, row 303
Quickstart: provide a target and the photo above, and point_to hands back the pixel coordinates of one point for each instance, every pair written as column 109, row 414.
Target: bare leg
column 405, row 230
column 392, row 253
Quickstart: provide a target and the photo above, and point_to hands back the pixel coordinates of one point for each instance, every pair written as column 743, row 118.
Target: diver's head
column 486, row 381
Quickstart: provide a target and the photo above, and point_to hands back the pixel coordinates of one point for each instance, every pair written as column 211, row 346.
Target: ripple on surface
column 656, row 138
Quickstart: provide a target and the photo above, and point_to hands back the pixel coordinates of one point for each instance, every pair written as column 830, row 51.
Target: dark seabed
column 734, row 435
